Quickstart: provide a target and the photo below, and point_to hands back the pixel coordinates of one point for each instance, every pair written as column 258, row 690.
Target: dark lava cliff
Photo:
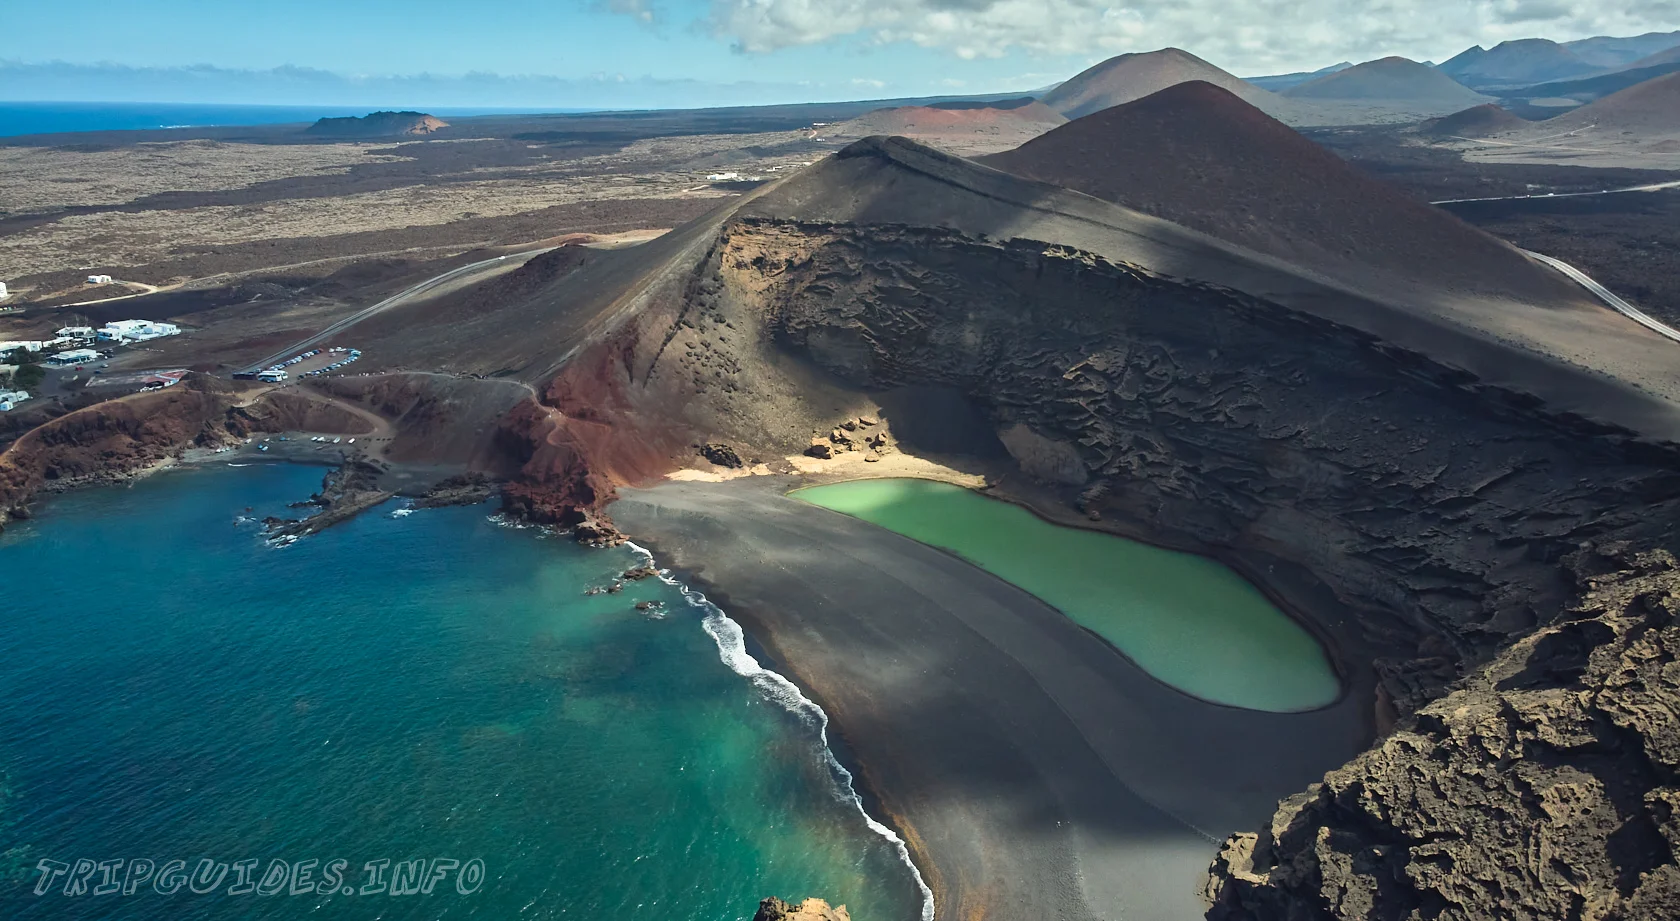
column 1475, row 529
column 1544, row 786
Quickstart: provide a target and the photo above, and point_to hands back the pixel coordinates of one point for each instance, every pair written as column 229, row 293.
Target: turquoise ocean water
column 431, row 687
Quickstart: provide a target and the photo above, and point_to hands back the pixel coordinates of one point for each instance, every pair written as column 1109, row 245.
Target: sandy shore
column 1035, row 772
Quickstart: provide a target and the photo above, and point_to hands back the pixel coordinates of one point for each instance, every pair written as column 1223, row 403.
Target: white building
column 99, row 279
column 28, row 345
column 11, row 398
column 76, row 332
column 73, row 357
column 3, row 292
column 135, row 330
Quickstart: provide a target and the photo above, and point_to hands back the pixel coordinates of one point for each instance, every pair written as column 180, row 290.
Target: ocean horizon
column 19, row 118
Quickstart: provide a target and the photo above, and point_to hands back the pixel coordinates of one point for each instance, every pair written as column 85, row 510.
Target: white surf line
column 1604, row 294
column 1654, row 187
column 732, row 649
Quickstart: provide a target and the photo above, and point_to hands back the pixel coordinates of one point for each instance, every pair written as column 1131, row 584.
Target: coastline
column 1031, row 770
column 1074, row 819
column 732, row 641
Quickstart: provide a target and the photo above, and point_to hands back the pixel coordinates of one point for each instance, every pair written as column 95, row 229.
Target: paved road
column 1654, row 187
column 386, row 304
column 1604, row 294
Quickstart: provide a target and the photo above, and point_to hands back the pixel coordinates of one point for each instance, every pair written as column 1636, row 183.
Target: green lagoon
column 1189, row 621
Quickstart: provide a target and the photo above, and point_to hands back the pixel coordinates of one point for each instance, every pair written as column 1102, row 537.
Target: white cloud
column 640, row 10
column 866, row 82
column 1248, row 36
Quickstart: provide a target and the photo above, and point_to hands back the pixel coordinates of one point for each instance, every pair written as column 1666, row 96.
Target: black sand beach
column 1035, row 772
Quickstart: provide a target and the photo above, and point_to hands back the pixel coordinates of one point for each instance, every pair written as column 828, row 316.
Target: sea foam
column 732, row 649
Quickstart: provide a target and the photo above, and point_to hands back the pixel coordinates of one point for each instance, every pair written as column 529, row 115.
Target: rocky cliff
column 1435, row 507
column 112, row 439
column 1446, row 516
column 1546, row 786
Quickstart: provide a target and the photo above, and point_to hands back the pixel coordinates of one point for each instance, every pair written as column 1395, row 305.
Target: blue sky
column 770, row 50
column 512, row 37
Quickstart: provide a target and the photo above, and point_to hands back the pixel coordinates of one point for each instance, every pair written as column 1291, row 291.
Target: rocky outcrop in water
column 1546, row 786
column 346, row 491
column 774, row 909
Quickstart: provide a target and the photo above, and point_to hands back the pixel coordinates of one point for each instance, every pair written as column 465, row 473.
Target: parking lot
column 312, row 363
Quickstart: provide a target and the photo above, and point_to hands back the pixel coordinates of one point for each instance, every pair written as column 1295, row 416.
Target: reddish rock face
column 112, row 439
column 587, row 435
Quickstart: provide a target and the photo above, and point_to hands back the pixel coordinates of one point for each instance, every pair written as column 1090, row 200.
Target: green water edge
column 1189, row 621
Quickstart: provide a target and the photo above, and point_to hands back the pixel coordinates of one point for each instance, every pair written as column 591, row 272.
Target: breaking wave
column 732, row 649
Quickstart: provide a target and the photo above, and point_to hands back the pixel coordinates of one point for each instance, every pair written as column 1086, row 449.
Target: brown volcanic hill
column 1476, row 122
column 1649, row 109
column 1128, row 77
column 1391, row 78
column 378, row 124
column 1199, row 156
column 965, row 130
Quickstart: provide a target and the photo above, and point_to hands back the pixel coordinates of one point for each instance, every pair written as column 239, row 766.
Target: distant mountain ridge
column 1608, row 51
column 1391, row 78
column 1648, row 110
column 1277, row 83
column 1529, row 61
column 1587, row 89
column 379, row 124
column 1516, row 63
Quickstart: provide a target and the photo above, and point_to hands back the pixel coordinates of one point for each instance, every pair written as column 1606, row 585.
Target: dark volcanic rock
column 1199, row 156
column 1435, row 508
column 721, row 454
column 1547, row 786
column 460, row 489
column 1446, row 517
column 346, row 491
